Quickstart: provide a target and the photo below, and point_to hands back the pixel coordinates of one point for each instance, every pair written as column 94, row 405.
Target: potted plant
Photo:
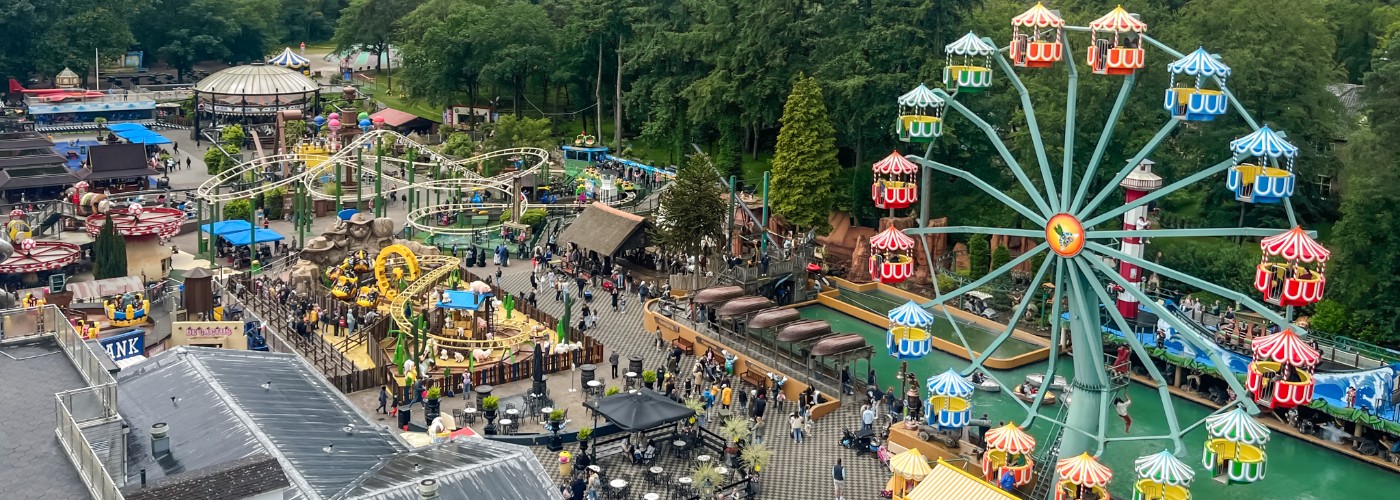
column 556, row 424
column 756, row 457
column 583, row 435
column 611, row 390
column 649, row 378
column 489, row 405
column 101, row 122
column 706, row 480
column 734, row 430
column 433, row 406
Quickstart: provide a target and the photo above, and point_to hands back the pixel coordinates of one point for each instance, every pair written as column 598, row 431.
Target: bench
column 606, row 449
column 758, row 380
column 685, row 345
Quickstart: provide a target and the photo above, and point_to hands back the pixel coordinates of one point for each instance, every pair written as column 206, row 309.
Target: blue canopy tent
column 147, row 138
column 137, row 134
column 258, row 235
column 125, row 127
column 462, row 299
column 226, row 227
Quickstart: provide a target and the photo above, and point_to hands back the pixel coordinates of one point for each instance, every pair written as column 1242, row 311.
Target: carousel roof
column 1199, row 63
column 1084, row 470
column 910, row 464
column 970, row 45
column 910, row 314
column 892, row 239
column 254, row 80
column 949, row 383
column 1237, row 426
column 1119, row 21
column 289, row 59
column 921, row 97
column 1039, row 17
column 1285, row 347
column 1264, row 142
column 1164, row 468
column 1294, row 244
column 1011, row 439
column 895, row 163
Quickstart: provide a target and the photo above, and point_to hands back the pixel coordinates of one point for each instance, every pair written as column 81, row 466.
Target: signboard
column 57, row 281
column 204, row 330
column 126, row 345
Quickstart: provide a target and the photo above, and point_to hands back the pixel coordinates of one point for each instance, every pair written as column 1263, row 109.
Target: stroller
column 862, row 442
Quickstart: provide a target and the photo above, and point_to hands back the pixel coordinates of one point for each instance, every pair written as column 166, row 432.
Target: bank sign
column 126, row 345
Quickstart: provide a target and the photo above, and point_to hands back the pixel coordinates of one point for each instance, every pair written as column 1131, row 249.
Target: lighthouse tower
column 1138, row 183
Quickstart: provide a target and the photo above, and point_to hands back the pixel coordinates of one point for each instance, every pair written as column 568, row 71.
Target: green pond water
column 881, row 303
column 1297, row 470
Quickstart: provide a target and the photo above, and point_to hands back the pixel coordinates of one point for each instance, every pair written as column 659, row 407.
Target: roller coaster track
column 445, row 265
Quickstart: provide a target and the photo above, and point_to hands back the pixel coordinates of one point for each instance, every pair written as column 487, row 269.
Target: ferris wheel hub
column 1065, row 234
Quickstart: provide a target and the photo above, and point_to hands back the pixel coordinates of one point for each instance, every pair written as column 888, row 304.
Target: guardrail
column 86, row 461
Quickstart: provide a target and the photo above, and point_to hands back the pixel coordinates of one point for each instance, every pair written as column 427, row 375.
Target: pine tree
column 804, row 161
column 977, row 258
column 109, row 250
column 693, row 208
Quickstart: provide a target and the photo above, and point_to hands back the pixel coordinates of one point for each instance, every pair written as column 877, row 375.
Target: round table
column 651, row 496
column 703, row 459
column 722, row 470
column 655, row 475
column 546, row 411
column 470, row 415
column 619, row 487
column 512, row 412
column 505, row 425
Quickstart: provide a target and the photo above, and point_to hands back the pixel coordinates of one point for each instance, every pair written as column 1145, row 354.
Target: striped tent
column 892, row 239
column 1264, row 142
column 1295, row 244
column 289, row 60
column 949, row 383
column 947, row 482
column 1199, row 63
column 1164, row 468
column 1237, row 426
column 1084, row 470
column 910, row 314
column 911, row 465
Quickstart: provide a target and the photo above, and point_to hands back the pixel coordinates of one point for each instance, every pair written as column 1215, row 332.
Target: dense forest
column 658, row 75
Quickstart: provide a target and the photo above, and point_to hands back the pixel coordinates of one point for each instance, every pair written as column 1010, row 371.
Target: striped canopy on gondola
column 1264, row 142
column 1285, row 347
column 970, row 45
column 910, row 314
column 289, row 59
column 1038, row 17
column 949, row 383
column 892, row 239
column 1011, row 439
column 1119, row 21
column 895, row 163
column 920, row 97
column 1084, row 470
column 1199, row 63
column 1164, row 468
column 1294, row 244
column 1237, row 426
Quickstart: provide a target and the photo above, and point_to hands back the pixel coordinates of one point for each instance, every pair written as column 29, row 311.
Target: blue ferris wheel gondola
column 1260, row 181
column 1196, row 103
column 910, row 314
column 907, row 342
column 949, row 383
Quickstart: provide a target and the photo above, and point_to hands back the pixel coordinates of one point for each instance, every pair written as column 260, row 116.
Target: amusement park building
column 29, row 164
column 253, row 93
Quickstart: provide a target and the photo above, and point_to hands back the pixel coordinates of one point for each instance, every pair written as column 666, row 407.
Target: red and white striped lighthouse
column 1138, row 183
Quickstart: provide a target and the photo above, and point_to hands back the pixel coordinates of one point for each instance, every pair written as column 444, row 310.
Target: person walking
column 383, row 400
column 614, row 360
column 758, row 430
column 466, row 385
column 797, row 423
column 867, row 417
column 838, row 479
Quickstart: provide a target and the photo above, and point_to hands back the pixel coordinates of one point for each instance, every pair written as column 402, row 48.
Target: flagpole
column 97, row 68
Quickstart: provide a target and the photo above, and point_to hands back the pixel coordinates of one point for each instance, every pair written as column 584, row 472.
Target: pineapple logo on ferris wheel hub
column 1065, row 235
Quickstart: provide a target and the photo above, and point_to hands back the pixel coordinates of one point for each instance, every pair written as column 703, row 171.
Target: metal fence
column 76, row 446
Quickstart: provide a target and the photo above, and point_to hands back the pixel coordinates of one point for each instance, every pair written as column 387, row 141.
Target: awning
column 467, row 301
column 227, row 226
column 947, row 481
column 394, row 118
column 606, row 230
column 641, row 410
column 258, row 235
column 83, row 290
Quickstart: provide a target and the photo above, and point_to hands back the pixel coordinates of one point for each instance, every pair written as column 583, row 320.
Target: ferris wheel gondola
column 968, row 76
column 1035, row 38
column 1116, row 49
column 1193, row 102
column 1268, row 178
column 920, row 115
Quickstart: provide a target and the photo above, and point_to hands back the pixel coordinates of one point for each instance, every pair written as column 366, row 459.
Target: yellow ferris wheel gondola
column 408, row 269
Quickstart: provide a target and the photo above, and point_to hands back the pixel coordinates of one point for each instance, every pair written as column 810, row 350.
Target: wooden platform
column 902, row 439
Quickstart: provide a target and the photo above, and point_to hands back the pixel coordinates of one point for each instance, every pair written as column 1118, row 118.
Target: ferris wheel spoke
column 1056, row 310
column 1212, row 351
column 1071, row 112
column 1163, row 389
column 1038, row 218
column 1104, row 139
column 1016, row 316
column 1288, row 209
column 1186, row 233
column 1029, row 109
column 1153, row 196
column 997, row 231
column 1001, row 148
column 1112, row 185
column 1003, row 269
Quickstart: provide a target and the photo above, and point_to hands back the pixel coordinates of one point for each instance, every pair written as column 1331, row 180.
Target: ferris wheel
column 1101, row 270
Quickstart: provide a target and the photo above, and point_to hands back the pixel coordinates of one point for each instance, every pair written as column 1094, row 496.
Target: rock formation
column 343, row 238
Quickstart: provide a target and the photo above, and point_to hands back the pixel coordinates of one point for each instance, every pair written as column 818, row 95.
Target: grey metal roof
column 256, row 79
column 1349, row 94
column 32, row 462
column 471, row 469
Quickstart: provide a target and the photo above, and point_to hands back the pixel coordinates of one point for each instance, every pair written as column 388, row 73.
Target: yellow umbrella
column 910, row 465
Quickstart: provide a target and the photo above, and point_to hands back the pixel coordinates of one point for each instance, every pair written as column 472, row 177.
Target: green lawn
column 394, row 100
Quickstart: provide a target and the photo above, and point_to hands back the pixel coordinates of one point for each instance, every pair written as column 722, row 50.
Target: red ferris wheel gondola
column 894, row 185
column 1290, row 272
column 889, row 256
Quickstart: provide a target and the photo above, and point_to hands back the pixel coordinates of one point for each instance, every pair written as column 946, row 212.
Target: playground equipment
column 1234, row 451
column 1008, row 452
column 1290, row 271
column 38, row 256
column 894, row 185
column 395, row 264
column 1262, row 180
column 1195, row 103
column 126, row 309
column 1067, row 217
column 890, row 261
column 948, row 406
column 920, row 115
column 1080, row 475
column 907, row 337
column 18, row 226
column 1162, row 476
column 968, row 76
column 1281, row 374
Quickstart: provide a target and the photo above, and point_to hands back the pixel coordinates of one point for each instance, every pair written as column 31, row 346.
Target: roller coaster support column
column 200, row 244
column 378, row 176
column 765, row 211
column 413, row 189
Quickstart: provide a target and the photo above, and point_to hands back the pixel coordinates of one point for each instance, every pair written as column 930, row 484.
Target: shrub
column 584, row 433
column 491, row 403
column 434, row 393
column 534, row 218
column 556, row 415
column 238, row 210
column 649, row 376
column 611, row 390
column 272, row 203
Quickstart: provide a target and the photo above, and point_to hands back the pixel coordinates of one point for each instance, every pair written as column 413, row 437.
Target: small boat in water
column 1059, row 384
column 1030, row 398
column 988, row 384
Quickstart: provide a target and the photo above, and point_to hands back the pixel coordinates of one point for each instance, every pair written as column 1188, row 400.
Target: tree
column 693, row 208
column 804, row 160
column 272, row 203
column 233, row 135
column 109, row 252
column 215, row 159
column 238, row 210
column 1000, row 256
column 292, row 132
column 368, row 25
column 977, row 263
column 440, row 55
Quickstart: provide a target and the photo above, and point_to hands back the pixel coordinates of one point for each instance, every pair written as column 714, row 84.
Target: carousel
column 1035, row 38
column 126, row 309
column 1234, row 451
column 1281, row 374
column 18, row 226
column 1268, row 177
column 906, row 470
column 1008, row 453
column 890, row 261
column 907, row 337
column 1116, row 48
column 1290, row 272
column 949, row 405
column 973, row 73
column 34, row 257
column 894, row 185
column 145, row 230
column 920, row 115
column 1162, row 476
column 1082, row 477
column 1194, row 103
